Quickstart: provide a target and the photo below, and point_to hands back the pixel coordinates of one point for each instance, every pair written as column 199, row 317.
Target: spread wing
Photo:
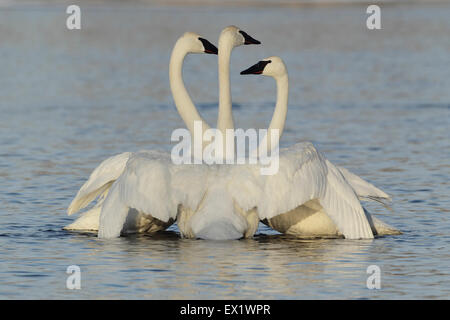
column 151, row 184
column 304, row 174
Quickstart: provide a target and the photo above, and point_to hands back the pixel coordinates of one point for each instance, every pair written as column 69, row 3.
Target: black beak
column 256, row 68
column 208, row 46
column 248, row 39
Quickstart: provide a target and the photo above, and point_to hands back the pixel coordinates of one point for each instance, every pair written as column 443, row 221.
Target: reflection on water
column 376, row 103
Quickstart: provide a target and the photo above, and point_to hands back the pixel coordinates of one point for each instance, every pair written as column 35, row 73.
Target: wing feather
column 144, row 185
column 99, row 181
column 343, row 207
column 304, row 174
column 363, row 189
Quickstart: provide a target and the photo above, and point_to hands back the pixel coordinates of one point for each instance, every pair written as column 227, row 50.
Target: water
column 375, row 102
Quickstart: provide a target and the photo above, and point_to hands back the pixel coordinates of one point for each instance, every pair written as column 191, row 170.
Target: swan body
column 320, row 199
column 199, row 197
column 227, row 201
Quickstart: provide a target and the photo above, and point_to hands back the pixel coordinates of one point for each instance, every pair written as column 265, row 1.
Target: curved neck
column 183, row 102
column 279, row 114
column 225, row 117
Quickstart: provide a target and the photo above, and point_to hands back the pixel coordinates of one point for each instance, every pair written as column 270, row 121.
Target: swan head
column 272, row 67
column 195, row 43
column 236, row 37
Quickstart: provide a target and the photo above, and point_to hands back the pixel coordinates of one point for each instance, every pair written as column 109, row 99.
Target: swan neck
column 280, row 112
column 225, row 117
column 279, row 115
column 183, row 101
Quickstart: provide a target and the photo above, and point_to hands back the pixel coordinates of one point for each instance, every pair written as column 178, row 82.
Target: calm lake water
column 376, row 102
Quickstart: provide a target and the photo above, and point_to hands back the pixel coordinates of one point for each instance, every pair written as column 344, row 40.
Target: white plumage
column 103, row 177
column 307, row 197
column 227, row 201
column 311, row 197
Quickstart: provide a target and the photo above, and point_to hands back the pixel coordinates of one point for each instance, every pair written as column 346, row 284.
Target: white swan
column 313, row 198
column 108, row 171
column 195, row 195
column 102, row 178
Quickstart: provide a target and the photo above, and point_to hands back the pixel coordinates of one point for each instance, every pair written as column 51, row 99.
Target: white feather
column 363, row 189
column 99, row 181
column 306, row 175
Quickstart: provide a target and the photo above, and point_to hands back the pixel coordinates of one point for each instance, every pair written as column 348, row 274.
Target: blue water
column 375, row 102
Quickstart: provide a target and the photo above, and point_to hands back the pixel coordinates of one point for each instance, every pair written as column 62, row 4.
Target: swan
column 101, row 179
column 311, row 196
column 196, row 196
